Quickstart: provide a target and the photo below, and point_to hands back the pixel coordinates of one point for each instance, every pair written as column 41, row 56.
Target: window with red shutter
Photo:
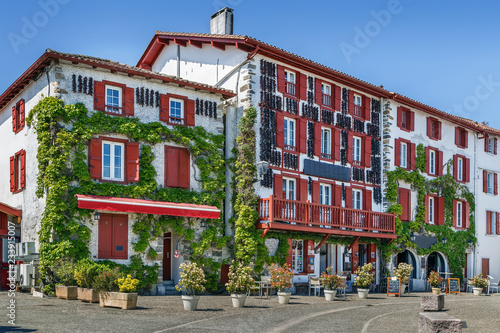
column 433, row 128
column 132, row 167
column 338, row 98
column 440, row 211
column 113, row 236
column 278, row 186
column 112, row 159
column 366, row 108
column 489, row 220
column 18, row 171
column 404, row 198
column 461, row 137
column 18, row 116
column 177, row 167
column 367, row 200
column 113, row 98
column 177, row 110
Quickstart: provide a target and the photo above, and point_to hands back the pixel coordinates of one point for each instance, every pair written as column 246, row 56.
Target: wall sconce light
column 413, row 236
column 471, row 244
column 203, row 223
column 443, row 240
column 97, row 216
column 262, row 168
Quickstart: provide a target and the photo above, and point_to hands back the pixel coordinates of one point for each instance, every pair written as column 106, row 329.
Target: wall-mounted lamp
column 203, row 223
column 471, row 244
column 262, row 168
column 413, row 236
column 97, row 216
column 443, row 240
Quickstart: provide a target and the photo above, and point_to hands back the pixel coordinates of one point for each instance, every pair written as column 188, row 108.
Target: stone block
column 153, row 290
column 429, row 322
column 160, row 290
column 432, row 302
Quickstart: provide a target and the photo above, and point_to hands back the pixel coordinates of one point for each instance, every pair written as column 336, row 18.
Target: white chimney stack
column 221, row 23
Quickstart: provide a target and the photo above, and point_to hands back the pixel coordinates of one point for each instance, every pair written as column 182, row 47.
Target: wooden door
column 167, row 257
column 485, row 266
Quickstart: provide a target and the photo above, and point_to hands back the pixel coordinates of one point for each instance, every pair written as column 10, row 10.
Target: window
column 491, row 145
column 492, row 223
column 326, row 94
column 113, row 99
column 432, row 162
column 177, row 167
column 113, row 236
column 112, row 160
column 431, row 210
column 460, row 168
column 433, row 128
column 289, row 188
column 461, row 137
column 325, row 194
column 17, row 171
column 326, row 143
column 404, row 199
column 18, row 116
column 459, row 214
column 289, row 130
column 357, row 202
column 403, row 155
column 358, row 111
column 176, row 111
column 489, row 181
column 290, row 82
column 297, row 255
column 356, row 150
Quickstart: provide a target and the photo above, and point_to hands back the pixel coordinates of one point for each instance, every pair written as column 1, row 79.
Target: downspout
column 178, row 61
column 476, row 137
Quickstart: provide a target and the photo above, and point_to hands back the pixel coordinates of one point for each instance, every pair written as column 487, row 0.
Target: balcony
column 290, row 215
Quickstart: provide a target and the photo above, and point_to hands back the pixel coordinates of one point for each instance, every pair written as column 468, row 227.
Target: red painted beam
column 352, row 244
column 195, row 43
column 180, row 42
column 317, row 230
column 321, row 243
column 221, row 46
column 10, row 210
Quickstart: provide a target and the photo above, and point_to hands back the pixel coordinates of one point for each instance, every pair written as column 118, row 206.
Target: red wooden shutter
column 440, row 210
column 454, row 219
column 466, row 138
column 400, row 117
column 190, row 112
column 304, row 189
column 338, row 98
column 404, row 201
column 164, row 108
column 23, row 168
column 489, row 219
column 350, row 102
column 397, row 152
column 280, row 130
column 467, row 214
column 301, row 86
column 495, row 146
column 413, row 157
column 289, row 257
column 14, row 119
column 302, row 142
column 426, row 198
column 498, row 223
column 315, row 195
column 171, row 166
column 12, row 173
column 128, row 105
column 412, row 120
column 367, row 151
column 495, row 183
column 348, row 197
column 95, row 158
column 455, row 166
column 485, row 181
column 119, row 249
column 429, row 125
column 486, row 143
column 338, row 196
column 457, row 136
column 104, row 237
column 21, row 114
column 278, row 186
column 467, row 170
column 317, row 92
column 427, row 165
column 440, row 163
column 317, row 139
column 349, row 147
column 281, row 79
column 367, row 199
column 99, row 95
column 366, row 107
column 184, row 168
column 132, row 161
column 439, row 130
column 336, row 143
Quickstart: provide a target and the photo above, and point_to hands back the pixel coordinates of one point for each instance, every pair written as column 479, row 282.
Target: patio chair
column 469, row 285
column 314, row 283
column 490, row 278
column 264, row 284
column 494, row 285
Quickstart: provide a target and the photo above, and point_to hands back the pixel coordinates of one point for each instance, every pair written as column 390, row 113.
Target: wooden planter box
column 126, row 301
column 88, row 295
column 65, row 292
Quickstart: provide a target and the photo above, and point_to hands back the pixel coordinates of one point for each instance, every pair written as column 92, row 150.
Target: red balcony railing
column 298, row 215
column 326, row 99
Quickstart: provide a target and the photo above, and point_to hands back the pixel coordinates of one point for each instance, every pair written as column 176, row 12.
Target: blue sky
column 442, row 53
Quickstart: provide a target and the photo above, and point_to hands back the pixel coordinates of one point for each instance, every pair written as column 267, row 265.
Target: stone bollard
column 432, row 302
column 160, row 290
column 430, row 322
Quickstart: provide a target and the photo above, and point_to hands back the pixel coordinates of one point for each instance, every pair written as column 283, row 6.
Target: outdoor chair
column 264, row 283
column 494, row 285
column 314, row 283
column 469, row 285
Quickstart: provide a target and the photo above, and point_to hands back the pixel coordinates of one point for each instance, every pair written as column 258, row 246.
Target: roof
column 249, row 44
column 39, row 65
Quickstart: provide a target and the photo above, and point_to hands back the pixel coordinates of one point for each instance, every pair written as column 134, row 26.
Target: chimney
column 221, row 23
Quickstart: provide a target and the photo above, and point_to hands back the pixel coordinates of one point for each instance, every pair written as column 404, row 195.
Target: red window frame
column 177, row 173
column 406, row 119
column 18, row 171
column 188, row 118
column 438, row 209
column 461, row 136
column 465, row 168
column 128, row 96
column 433, row 128
column 18, row 112
column 465, row 214
column 112, row 236
column 410, row 154
column 438, row 160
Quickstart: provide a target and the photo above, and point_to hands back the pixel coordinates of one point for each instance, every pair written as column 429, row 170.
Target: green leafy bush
column 106, row 280
column 65, row 274
column 86, row 271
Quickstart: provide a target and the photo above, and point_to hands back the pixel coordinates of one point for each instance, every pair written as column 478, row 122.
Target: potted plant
column 86, row 271
column 192, row 281
column 435, row 281
column 478, row 283
column 331, row 282
column 281, row 279
column 240, row 283
column 363, row 280
column 403, row 272
column 66, row 284
column 115, row 290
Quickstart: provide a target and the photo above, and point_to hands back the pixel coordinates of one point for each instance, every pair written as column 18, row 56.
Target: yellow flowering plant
column 127, row 284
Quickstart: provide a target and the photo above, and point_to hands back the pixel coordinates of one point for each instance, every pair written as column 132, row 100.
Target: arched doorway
column 408, row 258
column 436, row 262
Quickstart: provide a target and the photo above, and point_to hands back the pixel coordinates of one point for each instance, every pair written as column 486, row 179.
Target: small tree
column 364, row 278
column 192, row 279
column 281, row 277
column 240, row 278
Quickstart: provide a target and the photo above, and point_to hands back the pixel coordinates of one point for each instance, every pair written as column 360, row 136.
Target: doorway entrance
column 435, row 262
column 167, row 256
column 408, row 258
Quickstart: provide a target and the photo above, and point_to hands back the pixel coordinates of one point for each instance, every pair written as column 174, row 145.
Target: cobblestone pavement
column 378, row 313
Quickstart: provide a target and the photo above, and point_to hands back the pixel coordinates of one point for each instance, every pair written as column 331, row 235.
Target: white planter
column 238, row 300
column 190, row 302
column 477, row 291
column 363, row 293
column 402, row 290
column 436, row 291
column 330, row 294
column 284, row 297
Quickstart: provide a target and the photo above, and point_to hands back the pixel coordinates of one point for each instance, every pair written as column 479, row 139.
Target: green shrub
column 106, row 280
column 86, row 271
column 65, row 274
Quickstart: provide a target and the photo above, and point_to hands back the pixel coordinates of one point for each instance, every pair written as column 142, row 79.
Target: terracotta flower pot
column 284, row 297
column 190, row 302
column 88, row 295
column 66, row 292
column 126, row 301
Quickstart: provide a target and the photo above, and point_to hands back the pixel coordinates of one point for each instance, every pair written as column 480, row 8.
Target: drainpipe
column 178, row 61
column 474, row 192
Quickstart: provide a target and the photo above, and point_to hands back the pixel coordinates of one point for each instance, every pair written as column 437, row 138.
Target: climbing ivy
column 63, row 133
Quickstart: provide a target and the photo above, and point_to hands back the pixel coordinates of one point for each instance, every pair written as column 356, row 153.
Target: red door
column 167, row 257
column 113, row 236
column 486, row 266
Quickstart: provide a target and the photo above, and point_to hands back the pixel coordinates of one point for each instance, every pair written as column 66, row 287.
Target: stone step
column 168, row 282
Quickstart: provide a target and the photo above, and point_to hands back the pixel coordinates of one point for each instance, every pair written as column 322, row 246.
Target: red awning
column 146, row 206
column 4, row 208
